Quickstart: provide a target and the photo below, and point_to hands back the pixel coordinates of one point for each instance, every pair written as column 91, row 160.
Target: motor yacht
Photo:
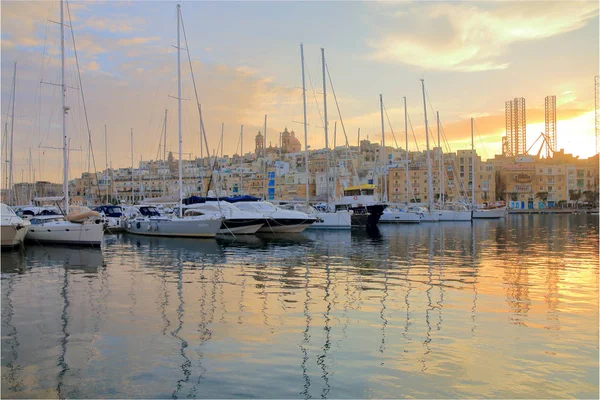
column 147, row 220
column 13, row 228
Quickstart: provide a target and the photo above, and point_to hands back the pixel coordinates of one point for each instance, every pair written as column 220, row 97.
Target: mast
column 326, row 132
column 335, row 166
column 241, row 160
column 140, row 180
column 472, row 167
column 165, row 138
column 406, row 138
column 12, row 137
column 265, row 160
column 164, row 160
column 222, row 131
column 132, row 191
column 441, row 160
column 64, row 110
column 179, row 108
column 429, row 182
column 106, row 164
column 305, row 130
column 383, row 157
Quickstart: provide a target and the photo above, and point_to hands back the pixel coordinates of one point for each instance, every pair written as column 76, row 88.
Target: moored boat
column 13, row 228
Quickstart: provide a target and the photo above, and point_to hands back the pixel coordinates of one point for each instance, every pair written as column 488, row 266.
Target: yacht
column 13, row 229
column 326, row 219
column 398, row 215
column 79, row 228
column 147, row 220
column 489, row 212
column 361, row 200
column 114, row 220
column 278, row 220
column 235, row 220
column 454, row 212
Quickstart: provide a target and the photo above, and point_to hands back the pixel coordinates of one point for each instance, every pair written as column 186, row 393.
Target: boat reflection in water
column 429, row 310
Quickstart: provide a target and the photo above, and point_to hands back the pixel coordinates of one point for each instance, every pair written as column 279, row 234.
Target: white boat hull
column 390, row 217
column 333, row 220
column 176, row 227
column 273, row 226
column 114, row 224
column 431, row 216
column 488, row 214
column 13, row 235
column 64, row 232
column 449, row 215
column 241, row 230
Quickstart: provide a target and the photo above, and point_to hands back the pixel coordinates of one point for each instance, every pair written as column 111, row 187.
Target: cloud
column 466, row 37
column 115, row 24
column 137, row 40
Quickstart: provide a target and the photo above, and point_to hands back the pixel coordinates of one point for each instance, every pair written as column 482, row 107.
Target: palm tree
column 542, row 196
column 575, row 195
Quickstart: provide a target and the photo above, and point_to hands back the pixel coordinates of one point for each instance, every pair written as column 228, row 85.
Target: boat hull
column 184, row 227
column 449, row 215
column 114, row 224
column 241, row 226
column 367, row 216
column 489, row 214
column 63, row 232
column 287, row 225
column 333, row 220
column 399, row 217
column 12, row 235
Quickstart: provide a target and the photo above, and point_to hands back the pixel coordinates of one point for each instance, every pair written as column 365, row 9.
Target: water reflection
column 439, row 310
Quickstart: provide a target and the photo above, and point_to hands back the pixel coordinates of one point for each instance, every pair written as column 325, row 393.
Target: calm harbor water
column 504, row 309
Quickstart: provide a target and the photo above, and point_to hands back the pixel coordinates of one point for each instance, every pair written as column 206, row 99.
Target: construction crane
column 597, row 111
column 545, row 142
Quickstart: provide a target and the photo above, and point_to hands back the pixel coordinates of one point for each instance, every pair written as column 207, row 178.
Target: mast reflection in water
column 489, row 309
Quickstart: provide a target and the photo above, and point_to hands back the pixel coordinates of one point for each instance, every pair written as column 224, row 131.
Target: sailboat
column 82, row 228
column 394, row 214
column 325, row 219
column 481, row 213
column 146, row 220
column 449, row 211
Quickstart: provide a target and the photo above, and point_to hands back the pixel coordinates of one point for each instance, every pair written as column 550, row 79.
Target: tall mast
column 140, row 180
column 241, row 159
column 326, row 132
column 222, row 131
column 305, row 130
column 335, row 167
column 429, row 182
column 164, row 160
column 165, row 138
column 265, row 160
column 406, row 138
column 12, row 131
column 179, row 108
column 383, row 157
column 106, row 164
column 132, row 191
column 64, row 111
column 472, row 167
column 441, row 160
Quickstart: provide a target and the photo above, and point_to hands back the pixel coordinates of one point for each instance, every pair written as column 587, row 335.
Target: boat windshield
column 149, row 212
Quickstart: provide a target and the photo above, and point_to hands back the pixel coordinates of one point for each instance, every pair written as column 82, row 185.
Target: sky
column 473, row 56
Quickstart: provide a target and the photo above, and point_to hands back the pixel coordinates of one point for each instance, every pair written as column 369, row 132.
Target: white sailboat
column 448, row 211
column 430, row 214
column 486, row 212
column 147, row 220
column 78, row 229
column 393, row 214
column 325, row 218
